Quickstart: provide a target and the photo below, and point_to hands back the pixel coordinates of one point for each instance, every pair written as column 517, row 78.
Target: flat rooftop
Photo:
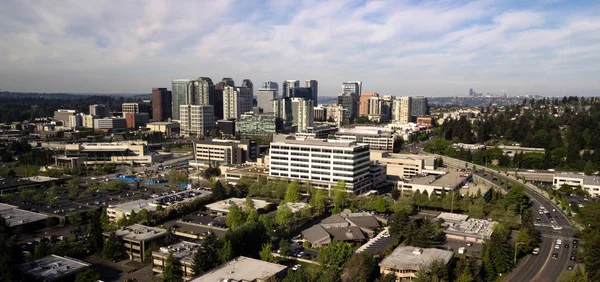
column 152, row 204
column 405, row 257
column 446, row 216
column 223, row 206
column 16, row 217
column 52, row 267
column 242, row 269
column 296, row 207
column 183, row 251
column 140, row 232
column 463, row 225
column 450, row 179
column 587, row 179
column 320, row 142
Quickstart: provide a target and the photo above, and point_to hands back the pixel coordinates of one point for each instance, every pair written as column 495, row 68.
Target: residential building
column 374, row 109
column 99, row 110
column 258, row 124
column 245, row 269
column 419, row 107
column 236, row 101
column 265, row 96
column 286, row 87
column 405, row 261
column 167, row 128
column 222, row 207
column 349, row 101
column 224, row 152
column 463, row 228
column 52, row 268
column 322, row 162
column 110, row 124
column 346, row 227
column 378, row 138
column 283, row 110
column 590, row 184
column 401, row 110
column 352, row 87
column 314, row 89
column 183, row 251
column 196, row 120
column 364, row 106
column 137, row 238
column 178, row 96
column 136, row 120
column 425, row 121
column 161, row 104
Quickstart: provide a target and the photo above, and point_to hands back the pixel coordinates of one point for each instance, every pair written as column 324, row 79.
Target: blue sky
column 432, row 48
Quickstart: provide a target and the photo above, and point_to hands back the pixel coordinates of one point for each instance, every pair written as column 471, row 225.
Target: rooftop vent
column 417, row 251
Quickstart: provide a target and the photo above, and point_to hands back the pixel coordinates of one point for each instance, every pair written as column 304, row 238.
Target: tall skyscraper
column 305, row 114
column 99, row 110
column 178, row 96
column 282, row 108
column 248, row 84
column 401, row 110
column 200, row 91
column 236, row 101
column 228, row 81
column 314, row 88
column 286, row 87
column 196, row 120
column 364, row 103
column 348, row 101
column 301, row 92
column 161, row 104
column 265, row 96
column 352, row 87
column 218, row 104
column 419, row 107
column 386, row 107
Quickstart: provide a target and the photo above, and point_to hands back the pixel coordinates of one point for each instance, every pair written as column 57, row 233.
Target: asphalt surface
column 540, row 267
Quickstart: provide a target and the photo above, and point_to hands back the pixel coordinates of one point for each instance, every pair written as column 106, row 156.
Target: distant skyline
column 444, row 48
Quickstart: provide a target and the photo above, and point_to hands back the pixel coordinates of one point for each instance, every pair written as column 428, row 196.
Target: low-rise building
column 25, row 219
column 52, row 268
column 401, row 166
column 590, row 184
column 135, row 120
column 378, row 138
column 224, row 152
column 244, row 269
column 462, row 227
column 405, row 261
column 258, row 124
column 321, row 131
column 182, row 251
column 346, row 226
column 449, row 182
column 167, row 128
column 117, row 152
column 137, row 239
column 109, row 124
column 222, row 207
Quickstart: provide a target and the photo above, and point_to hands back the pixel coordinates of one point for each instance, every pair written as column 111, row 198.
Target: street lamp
column 516, row 245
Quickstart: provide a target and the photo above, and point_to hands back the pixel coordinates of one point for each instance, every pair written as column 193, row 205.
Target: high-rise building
column 374, row 105
column 236, row 101
column 302, row 92
column 352, row 87
column 364, row 103
column 178, row 96
column 305, row 115
column 314, row 88
column 286, row 87
column 321, row 162
column 349, row 102
column 218, row 105
column 419, row 107
column 196, row 120
column 161, row 104
column 200, row 91
column 228, row 81
column 248, row 84
column 265, row 96
column 282, row 108
column 386, row 107
column 320, row 113
column 99, row 110
column 401, row 110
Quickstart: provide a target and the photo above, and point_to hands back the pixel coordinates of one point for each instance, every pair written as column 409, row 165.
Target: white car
column 296, row 267
column 557, row 247
column 558, row 241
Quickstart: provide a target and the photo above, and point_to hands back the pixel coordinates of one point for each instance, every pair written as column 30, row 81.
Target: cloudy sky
column 396, row 48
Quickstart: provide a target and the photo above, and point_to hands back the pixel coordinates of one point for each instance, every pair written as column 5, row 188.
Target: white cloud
column 431, row 48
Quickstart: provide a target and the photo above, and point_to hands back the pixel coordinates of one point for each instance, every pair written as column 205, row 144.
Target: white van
column 462, row 250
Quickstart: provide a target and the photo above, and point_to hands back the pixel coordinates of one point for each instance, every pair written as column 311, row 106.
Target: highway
column 540, row 267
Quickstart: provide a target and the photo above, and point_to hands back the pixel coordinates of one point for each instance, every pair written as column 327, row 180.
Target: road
column 541, row 267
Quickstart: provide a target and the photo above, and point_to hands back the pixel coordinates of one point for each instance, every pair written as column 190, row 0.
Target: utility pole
column 516, row 245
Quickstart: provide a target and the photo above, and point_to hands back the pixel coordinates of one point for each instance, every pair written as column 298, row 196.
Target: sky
column 403, row 48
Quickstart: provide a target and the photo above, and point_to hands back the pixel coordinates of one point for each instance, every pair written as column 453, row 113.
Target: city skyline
column 432, row 49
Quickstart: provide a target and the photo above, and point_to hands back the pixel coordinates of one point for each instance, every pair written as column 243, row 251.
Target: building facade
column 161, row 104
column 364, row 103
column 401, row 110
column 314, row 89
column 135, row 120
column 224, row 152
column 196, row 120
column 236, row 101
column 349, row 102
column 265, row 96
column 321, row 162
column 99, row 110
column 377, row 138
column 178, row 96
column 419, row 107
column 261, row 124
column 110, row 123
column 286, row 87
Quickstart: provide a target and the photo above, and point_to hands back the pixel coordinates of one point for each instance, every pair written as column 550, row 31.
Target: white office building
column 236, row 101
column 196, row 120
column 401, row 110
column 265, row 96
column 590, row 184
column 321, row 162
column 378, row 138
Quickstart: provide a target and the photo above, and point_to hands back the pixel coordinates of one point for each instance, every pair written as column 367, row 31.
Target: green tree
column 249, row 205
column 236, row 216
column 340, row 196
column 172, row 271
column 87, row 276
column 334, row 254
column 114, row 249
column 266, row 253
column 292, row 193
column 360, row 268
column 283, row 215
column 317, row 202
column 226, row 252
column 218, row 191
column 284, row 246
column 207, row 256
column 381, row 205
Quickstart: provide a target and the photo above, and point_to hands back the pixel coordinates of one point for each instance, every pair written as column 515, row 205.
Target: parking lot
column 454, row 245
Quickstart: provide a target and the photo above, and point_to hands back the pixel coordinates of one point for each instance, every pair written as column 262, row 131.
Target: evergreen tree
column 172, row 271
column 292, row 193
column 207, row 256
column 114, row 249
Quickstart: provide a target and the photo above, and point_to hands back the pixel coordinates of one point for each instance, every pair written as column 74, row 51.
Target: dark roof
column 336, row 218
column 315, row 233
column 364, row 221
column 350, row 233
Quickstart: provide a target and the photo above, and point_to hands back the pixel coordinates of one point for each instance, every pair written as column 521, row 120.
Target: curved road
column 540, row 267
